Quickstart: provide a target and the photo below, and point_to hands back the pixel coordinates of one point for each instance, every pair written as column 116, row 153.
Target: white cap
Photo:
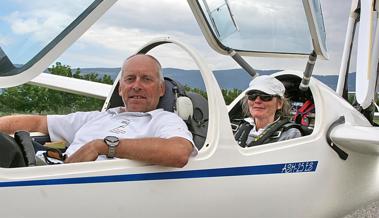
column 267, row 84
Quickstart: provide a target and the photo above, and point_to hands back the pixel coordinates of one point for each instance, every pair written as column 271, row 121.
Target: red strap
column 307, row 104
column 303, row 112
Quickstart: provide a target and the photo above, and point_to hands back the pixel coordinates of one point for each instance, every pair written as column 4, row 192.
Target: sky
column 130, row 24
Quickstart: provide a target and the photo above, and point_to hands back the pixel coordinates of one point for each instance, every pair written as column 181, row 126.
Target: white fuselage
column 290, row 178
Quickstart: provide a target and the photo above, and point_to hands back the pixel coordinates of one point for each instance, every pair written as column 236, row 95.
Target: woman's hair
column 284, row 112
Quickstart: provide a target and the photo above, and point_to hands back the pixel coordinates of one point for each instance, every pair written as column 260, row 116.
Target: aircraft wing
column 363, row 139
column 72, row 85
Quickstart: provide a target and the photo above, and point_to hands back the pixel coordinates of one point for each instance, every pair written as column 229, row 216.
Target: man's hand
column 88, row 152
column 172, row 152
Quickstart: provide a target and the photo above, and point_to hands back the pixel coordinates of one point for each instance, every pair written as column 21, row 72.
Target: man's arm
column 173, row 152
column 31, row 123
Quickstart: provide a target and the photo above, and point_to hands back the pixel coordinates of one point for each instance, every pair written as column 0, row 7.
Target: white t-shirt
column 80, row 128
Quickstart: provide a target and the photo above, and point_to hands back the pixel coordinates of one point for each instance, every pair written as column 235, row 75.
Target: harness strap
column 265, row 136
column 243, row 132
column 303, row 129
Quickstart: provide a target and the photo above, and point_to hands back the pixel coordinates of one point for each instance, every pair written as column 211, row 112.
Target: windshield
column 265, row 26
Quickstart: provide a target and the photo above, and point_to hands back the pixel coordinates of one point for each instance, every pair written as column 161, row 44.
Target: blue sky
column 130, row 24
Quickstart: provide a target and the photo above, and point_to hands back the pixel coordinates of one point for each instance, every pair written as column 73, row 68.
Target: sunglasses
column 263, row 97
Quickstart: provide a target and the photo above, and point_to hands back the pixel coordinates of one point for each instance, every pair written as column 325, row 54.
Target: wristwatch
column 112, row 142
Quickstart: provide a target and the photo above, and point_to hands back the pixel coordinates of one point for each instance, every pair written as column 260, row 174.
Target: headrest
column 184, row 107
column 175, row 99
column 173, row 90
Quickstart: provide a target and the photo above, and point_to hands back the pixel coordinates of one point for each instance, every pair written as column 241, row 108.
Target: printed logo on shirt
column 122, row 128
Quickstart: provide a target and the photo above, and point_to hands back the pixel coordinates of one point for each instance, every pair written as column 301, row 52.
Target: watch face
column 111, row 139
column 112, row 142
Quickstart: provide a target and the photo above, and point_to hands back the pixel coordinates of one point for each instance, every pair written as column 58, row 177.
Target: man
column 137, row 131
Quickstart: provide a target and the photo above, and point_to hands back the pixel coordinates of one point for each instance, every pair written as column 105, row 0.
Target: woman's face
column 261, row 107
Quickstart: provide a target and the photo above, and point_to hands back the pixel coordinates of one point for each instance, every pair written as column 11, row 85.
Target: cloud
column 4, row 40
column 114, row 44
column 41, row 21
column 66, row 6
column 131, row 24
column 42, row 25
column 121, row 39
column 336, row 15
column 266, row 26
column 155, row 16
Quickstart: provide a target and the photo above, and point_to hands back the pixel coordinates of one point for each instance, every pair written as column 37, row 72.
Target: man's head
column 141, row 83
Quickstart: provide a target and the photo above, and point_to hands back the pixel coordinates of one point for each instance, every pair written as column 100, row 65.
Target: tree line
column 33, row 99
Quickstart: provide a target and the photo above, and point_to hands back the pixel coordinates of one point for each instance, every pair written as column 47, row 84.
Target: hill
column 228, row 79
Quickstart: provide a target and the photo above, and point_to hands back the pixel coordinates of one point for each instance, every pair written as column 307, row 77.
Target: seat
column 198, row 123
column 190, row 106
column 302, row 105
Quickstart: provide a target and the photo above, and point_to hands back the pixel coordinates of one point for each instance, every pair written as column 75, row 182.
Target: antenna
column 308, row 71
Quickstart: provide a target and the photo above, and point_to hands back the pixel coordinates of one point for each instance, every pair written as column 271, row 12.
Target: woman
column 268, row 112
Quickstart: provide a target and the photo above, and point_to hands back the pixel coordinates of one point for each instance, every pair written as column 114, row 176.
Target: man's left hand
column 88, row 152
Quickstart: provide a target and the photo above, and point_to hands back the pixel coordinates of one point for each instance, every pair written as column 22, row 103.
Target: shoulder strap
column 242, row 133
column 268, row 132
column 304, row 130
column 291, row 125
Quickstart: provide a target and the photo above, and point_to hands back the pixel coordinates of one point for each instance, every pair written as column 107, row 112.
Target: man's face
column 140, row 85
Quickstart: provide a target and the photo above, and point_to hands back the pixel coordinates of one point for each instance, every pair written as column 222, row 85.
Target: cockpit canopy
column 262, row 27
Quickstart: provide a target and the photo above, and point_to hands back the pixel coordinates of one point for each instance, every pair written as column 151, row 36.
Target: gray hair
column 159, row 66
column 283, row 112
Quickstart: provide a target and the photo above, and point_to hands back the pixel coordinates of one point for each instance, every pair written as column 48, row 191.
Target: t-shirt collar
column 120, row 110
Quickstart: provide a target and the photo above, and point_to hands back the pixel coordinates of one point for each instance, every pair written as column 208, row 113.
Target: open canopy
column 262, row 27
